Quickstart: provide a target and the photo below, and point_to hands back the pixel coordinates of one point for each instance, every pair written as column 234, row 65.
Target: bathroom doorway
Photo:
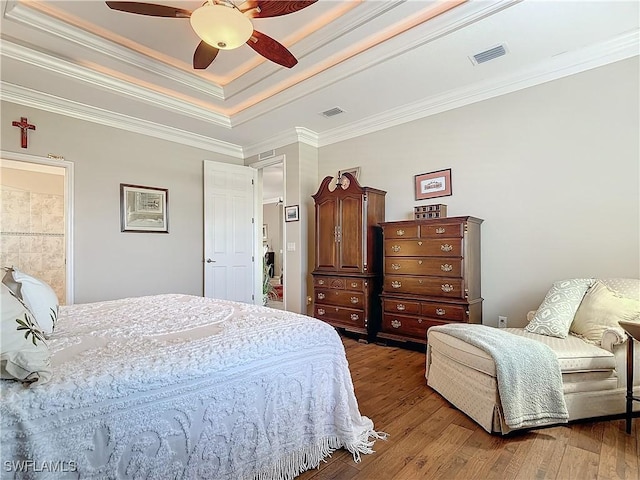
column 35, row 232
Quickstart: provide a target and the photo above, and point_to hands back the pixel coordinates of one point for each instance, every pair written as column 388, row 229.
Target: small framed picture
column 265, row 232
column 355, row 171
column 143, row 209
column 292, row 213
column 433, row 184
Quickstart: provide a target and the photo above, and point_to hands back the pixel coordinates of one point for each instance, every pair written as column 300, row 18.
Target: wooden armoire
column 347, row 277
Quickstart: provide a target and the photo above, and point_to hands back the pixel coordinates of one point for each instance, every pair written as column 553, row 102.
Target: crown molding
column 297, row 135
column 34, row 18
column 50, row 103
column 61, row 66
column 622, row 47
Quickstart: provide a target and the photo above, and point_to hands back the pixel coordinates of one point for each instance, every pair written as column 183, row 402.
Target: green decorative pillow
column 601, row 309
column 24, row 354
column 556, row 312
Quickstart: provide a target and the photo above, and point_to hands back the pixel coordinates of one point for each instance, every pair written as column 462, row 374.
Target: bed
column 183, row 387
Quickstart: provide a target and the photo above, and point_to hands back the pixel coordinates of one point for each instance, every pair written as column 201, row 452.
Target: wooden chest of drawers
column 431, row 276
column 344, row 301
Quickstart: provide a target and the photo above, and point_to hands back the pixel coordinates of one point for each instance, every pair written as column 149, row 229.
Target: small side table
column 633, row 329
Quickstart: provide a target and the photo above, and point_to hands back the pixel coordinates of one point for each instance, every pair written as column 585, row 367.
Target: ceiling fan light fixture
column 221, row 26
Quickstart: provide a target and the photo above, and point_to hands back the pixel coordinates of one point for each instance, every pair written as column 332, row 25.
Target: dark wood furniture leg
column 629, row 383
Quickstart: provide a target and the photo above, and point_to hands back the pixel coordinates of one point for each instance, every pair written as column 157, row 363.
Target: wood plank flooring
column 430, row 439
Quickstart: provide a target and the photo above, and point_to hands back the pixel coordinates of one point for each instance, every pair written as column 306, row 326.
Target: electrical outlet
column 502, row 322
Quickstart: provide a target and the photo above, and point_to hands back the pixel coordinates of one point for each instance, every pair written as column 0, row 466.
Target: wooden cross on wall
column 23, row 125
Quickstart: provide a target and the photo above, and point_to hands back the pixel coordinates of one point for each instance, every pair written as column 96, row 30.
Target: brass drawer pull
column 396, row 323
column 420, row 243
column 440, row 230
column 440, row 311
column 419, row 320
column 400, row 232
column 354, row 284
column 320, row 282
column 320, row 296
column 446, row 247
column 447, row 288
column 395, row 248
column 354, row 300
column 321, row 311
column 355, row 316
column 396, row 284
column 445, row 267
column 401, row 307
column 419, row 262
column 395, row 266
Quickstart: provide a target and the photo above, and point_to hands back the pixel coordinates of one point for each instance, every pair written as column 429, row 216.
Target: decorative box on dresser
column 431, row 276
column 347, row 276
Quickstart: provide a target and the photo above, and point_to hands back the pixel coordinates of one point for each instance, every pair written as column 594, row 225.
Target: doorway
column 273, row 190
column 35, row 234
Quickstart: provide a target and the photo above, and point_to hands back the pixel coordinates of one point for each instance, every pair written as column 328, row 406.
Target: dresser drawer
column 444, row 311
column 344, row 298
column 339, row 283
column 446, row 247
column 402, row 231
column 329, row 282
column 441, row 266
column 426, row 286
column 442, row 230
column 340, row 315
column 401, row 306
column 410, row 326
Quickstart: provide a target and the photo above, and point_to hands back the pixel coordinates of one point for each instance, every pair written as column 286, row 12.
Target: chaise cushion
column 574, row 355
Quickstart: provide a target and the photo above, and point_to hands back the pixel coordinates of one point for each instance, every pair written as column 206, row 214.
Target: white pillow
column 602, row 309
column 40, row 299
column 556, row 312
column 24, row 354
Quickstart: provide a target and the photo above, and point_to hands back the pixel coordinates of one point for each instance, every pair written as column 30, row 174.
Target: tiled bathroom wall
column 32, row 235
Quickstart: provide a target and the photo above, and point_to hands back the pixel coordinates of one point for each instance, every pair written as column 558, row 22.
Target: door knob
column 210, row 261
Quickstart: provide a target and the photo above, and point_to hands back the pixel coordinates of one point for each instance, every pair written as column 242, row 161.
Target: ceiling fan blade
column 271, row 49
column 274, row 8
column 150, row 9
column 204, row 55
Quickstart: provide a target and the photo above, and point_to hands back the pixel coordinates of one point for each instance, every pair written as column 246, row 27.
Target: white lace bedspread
column 183, row 387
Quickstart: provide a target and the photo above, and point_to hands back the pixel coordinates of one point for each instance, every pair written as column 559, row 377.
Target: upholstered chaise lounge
column 591, row 354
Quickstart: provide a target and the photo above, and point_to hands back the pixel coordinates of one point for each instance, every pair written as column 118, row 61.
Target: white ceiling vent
column 267, row 154
column 490, row 54
column 332, row 112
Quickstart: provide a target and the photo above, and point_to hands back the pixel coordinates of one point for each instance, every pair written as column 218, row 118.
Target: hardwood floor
column 430, row 439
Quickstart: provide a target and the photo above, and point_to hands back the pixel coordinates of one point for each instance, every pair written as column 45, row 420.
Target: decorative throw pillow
column 556, row 312
column 601, row 309
column 40, row 299
column 24, row 354
column 9, row 281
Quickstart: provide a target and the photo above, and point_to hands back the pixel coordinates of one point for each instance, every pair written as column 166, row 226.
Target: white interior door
column 229, row 232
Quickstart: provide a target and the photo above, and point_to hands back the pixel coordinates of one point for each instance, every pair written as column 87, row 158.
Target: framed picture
column 433, row 184
column 292, row 213
column 264, row 232
column 143, row 209
column 355, row 171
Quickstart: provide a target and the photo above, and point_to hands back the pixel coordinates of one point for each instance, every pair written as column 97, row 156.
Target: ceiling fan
column 224, row 26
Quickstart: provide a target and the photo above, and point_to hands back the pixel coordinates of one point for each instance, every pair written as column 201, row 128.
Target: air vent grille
column 490, row 54
column 332, row 112
column 267, row 154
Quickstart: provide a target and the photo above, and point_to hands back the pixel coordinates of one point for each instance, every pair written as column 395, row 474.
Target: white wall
column 108, row 263
column 553, row 170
